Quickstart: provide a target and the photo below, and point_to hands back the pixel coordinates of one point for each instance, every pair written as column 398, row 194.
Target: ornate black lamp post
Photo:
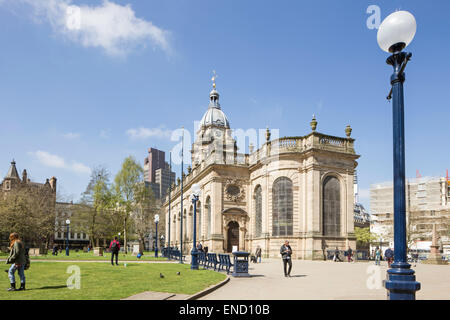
column 395, row 33
column 67, row 247
column 194, row 253
column 156, row 236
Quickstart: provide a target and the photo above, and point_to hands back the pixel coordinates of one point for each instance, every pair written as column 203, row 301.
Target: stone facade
column 277, row 192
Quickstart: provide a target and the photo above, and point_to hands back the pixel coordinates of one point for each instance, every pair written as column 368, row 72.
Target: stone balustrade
column 314, row 140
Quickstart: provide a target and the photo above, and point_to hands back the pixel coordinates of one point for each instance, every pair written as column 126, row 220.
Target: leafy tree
column 144, row 213
column 364, row 236
column 92, row 215
column 30, row 211
column 126, row 187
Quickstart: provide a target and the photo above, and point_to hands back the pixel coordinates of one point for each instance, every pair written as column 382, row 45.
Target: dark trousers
column 285, row 263
column 112, row 257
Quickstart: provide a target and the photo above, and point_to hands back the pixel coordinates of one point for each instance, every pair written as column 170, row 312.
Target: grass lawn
column 148, row 256
column 101, row 281
column 80, row 255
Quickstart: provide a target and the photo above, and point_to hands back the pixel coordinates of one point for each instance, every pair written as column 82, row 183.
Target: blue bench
column 225, row 262
column 212, row 260
column 202, row 259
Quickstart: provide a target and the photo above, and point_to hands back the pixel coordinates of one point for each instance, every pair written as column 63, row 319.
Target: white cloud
column 104, row 134
column 109, row 26
column 145, row 133
column 71, row 135
column 55, row 161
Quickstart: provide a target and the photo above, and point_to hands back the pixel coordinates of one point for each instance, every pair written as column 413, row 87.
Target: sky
column 88, row 83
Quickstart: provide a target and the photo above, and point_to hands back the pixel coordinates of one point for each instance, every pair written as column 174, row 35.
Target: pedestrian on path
column 286, row 253
column 336, row 255
column 18, row 260
column 389, row 254
column 258, row 254
column 377, row 256
column 349, row 254
column 115, row 248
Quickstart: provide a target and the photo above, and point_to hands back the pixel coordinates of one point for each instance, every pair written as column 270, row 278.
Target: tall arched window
column 209, row 216
column 199, row 219
column 258, row 211
column 282, row 207
column 331, row 206
column 191, row 222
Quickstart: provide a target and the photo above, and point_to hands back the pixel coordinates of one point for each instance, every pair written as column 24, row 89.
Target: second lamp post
column 156, row 237
column 194, row 253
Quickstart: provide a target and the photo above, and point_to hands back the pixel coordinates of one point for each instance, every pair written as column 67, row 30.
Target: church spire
column 214, row 95
column 12, row 172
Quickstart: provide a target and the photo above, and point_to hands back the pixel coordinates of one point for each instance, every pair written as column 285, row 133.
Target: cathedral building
column 293, row 188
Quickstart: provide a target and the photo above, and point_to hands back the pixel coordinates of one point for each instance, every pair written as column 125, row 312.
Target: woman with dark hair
column 18, row 260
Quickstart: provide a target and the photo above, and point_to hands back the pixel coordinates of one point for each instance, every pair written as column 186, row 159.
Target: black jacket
column 285, row 255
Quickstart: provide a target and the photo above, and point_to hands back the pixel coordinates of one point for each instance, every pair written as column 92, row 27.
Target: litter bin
column 240, row 264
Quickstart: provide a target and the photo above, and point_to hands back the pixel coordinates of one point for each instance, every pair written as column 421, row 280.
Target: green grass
column 100, row 281
column 148, row 256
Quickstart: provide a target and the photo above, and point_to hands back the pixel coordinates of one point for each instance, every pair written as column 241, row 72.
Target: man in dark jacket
column 115, row 248
column 389, row 255
column 286, row 253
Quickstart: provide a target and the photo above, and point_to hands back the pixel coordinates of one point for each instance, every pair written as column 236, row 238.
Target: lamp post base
column 194, row 260
column 401, row 283
column 156, row 253
column 67, row 251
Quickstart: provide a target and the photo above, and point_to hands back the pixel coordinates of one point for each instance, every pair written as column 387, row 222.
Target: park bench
column 212, row 260
column 225, row 262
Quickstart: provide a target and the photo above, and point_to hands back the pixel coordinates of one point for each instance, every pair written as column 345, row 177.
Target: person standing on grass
column 258, row 254
column 286, row 253
column 115, row 248
column 18, row 259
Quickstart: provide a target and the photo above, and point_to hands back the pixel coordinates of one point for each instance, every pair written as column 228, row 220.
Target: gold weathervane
column 215, row 76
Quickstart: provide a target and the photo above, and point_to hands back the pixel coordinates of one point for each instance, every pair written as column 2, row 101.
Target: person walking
column 336, row 255
column 349, row 254
column 377, row 256
column 18, row 259
column 115, row 248
column 286, row 253
column 258, row 253
column 389, row 254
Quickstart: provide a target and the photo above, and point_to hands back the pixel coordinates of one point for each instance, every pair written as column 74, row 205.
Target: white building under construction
column 427, row 203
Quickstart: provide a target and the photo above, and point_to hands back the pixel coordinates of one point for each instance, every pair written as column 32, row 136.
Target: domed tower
column 214, row 134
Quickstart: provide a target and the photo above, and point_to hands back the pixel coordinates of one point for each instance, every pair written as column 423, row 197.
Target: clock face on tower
column 218, row 134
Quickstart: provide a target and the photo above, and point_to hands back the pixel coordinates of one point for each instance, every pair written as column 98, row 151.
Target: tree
column 92, row 215
column 364, row 236
column 126, row 187
column 145, row 211
column 30, row 211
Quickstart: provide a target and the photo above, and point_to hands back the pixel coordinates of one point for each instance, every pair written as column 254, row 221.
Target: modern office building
column 157, row 173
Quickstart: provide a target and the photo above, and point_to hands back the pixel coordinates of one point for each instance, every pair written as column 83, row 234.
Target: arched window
column 331, row 206
column 258, row 211
column 191, row 221
column 199, row 219
column 209, row 216
column 282, row 207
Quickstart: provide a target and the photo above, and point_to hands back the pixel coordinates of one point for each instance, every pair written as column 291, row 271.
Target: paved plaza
column 327, row 280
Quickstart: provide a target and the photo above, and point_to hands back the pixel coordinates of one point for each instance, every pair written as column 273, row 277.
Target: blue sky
column 71, row 98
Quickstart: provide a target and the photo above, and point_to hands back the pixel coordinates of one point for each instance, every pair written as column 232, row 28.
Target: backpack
column 114, row 247
column 27, row 261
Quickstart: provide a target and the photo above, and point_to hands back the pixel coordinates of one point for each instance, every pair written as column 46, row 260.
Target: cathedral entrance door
column 233, row 235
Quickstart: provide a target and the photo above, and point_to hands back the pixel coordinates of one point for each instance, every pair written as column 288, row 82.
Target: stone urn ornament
column 348, row 131
column 313, row 123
